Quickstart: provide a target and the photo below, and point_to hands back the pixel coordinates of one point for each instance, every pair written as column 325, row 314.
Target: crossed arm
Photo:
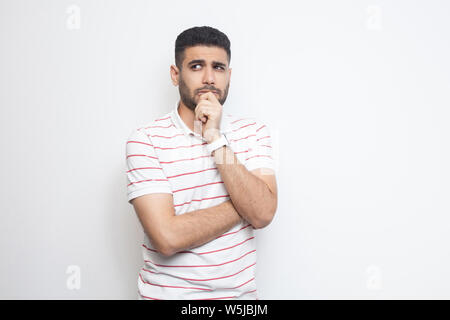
column 253, row 193
column 253, row 198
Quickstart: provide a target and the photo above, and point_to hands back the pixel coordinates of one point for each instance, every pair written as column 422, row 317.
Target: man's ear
column 174, row 74
column 229, row 75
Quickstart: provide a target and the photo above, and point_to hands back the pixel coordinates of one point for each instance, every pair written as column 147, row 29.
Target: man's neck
column 186, row 115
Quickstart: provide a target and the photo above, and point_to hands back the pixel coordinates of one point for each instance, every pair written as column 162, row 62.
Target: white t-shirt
column 165, row 156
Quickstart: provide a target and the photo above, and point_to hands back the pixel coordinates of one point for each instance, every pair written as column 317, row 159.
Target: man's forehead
column 206, row 53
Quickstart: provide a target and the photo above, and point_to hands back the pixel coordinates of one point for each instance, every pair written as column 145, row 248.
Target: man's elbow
column 166, row 251
column 265, row 218
column 165, row 244
column 163, row 248
column 266, row 213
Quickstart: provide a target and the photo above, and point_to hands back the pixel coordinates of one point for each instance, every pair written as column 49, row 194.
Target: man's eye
column 195, row 65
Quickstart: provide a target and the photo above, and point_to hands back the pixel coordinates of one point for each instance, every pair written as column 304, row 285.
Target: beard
column 189, row 99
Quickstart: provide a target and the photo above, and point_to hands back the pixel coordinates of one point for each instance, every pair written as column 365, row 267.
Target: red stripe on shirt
column 201, row 253
column 144, row 168
column 227, row 234
column 259, row 155
column 252, row 135
column 226, row 297
column 207, row 156
column 190, row 279
column 149, row 249
column 262, row 138
column 250, row 124
column 141, row 155
column 183, row 174
column 242, row 284
column 200, row 266
column 239, row 120
column 190, row 146
column 148, row 144
column 182, row 204
column 241, row 151
column 157, row 136
column 151, row 298
column 163, row 118
column 146, row 181
column 176, row 287
column 151, row 127
column 146, row 297
column 199, row 186
column 231, row 297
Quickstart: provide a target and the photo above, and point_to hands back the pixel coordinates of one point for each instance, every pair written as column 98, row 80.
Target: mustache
column 209, row 88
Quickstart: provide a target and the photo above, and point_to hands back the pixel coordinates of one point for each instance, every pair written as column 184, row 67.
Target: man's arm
column 170, row 233
column 253, row 193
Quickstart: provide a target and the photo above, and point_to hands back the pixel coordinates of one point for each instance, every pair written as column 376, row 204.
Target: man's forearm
column 250, row 195
column 192, row 229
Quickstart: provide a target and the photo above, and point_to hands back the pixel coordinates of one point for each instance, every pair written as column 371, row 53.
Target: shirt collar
column 179, row 123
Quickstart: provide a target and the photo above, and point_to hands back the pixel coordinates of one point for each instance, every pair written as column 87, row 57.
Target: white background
column 356, row 93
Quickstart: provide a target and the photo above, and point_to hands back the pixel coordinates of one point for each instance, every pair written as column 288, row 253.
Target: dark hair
column 206, row 36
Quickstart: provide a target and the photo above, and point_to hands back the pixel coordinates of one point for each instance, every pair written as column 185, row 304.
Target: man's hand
column 209, row 112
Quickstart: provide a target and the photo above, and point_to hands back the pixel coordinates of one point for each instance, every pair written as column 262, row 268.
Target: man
column 200, row 181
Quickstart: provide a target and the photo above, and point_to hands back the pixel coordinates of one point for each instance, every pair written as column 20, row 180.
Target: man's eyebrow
column 201, row 61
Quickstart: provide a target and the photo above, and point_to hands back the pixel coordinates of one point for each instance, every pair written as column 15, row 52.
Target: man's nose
column 208, row 76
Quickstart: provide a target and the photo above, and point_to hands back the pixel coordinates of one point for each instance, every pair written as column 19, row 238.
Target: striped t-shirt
column 165, row 156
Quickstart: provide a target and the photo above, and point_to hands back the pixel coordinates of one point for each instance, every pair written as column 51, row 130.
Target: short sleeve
column 144, row 172
column 260, row 154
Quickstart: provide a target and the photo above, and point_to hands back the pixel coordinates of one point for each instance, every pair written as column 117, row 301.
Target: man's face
column 204, row 68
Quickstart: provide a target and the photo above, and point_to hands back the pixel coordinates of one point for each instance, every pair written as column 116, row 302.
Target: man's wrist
column 213, row 138
column 218, row 141
column 218, row 151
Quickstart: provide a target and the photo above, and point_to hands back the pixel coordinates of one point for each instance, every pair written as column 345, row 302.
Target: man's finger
column 204, row 103
column 208, row 96
column 201, row 104
column 202, row 112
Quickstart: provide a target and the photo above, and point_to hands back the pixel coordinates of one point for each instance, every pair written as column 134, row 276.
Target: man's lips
column 205, row 91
